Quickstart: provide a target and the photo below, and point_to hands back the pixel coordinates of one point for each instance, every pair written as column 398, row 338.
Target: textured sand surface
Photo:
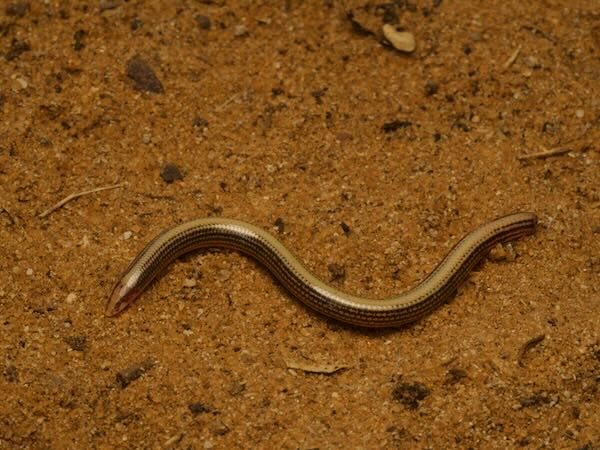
column 368, row 163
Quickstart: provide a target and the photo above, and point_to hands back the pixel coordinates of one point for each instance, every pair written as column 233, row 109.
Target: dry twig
column 552, row 152
column 76, row 195
column 509, row 62
column 531, row 343
column 542, row 33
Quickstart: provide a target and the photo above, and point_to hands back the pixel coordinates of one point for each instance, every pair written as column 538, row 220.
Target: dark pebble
column 345, row 228
column 395, row 125
column 338, row 273
column 78, row 36
column 170, row 173
column 455, row 374
column 108, row 4
column 356, row 25
column 237, row 388
column 135, row 24
column 410, row 394
column 575, row 412
column 461, row 126
column 389, row 14
column 199, row 122
column 279, row 224
column 318, row 94
column 143, row 76
column 596, row 354
column 203, row 22
column 11, row 374
column 220, row 429
column 76, row 343
column 431, row 88
column 18, row 9
column 200, row 408
column 540, row 398
column 132, row 373
column 17, row 48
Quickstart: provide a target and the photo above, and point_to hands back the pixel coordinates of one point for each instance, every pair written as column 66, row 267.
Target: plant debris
column 132, row 373
column 327, row 369
column 410, row 394
column 530, row 344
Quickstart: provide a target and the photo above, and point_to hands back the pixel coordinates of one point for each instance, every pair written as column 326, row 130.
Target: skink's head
column 123, row 295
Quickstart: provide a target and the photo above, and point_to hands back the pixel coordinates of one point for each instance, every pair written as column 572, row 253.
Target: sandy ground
column 367, row 162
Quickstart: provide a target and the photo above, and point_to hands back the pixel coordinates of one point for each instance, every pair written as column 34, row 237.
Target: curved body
column 438, row 287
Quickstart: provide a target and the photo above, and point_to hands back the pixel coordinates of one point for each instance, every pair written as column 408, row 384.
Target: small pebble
column 189, row 283
column 143, row 76
column 199, row 122
column 208, row 445
column 78, row 37
column 343, row 137
column 71, row 297
column 240, row 30
column 431, row 88
column 247, row 358
column 21, row 83
column 532, row 62
column 126, row 376
column 146, row 138
column 579, row 113
column 237, row 387
column 29, row 272
column 188, row 332
column 77, row 343
column 498, row 253
column 135, row 24
column 170, row 172
column 401, row 40
column 279, row 224
column 219, row 429
column 108, row 4
column 203, row 22
column 17, row 48
column 200, row 408
column 337, row 272
column 223, row 275
column 18, row 9
column 345, row 228
column 127, row 235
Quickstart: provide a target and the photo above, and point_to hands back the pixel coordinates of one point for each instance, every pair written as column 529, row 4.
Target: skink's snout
column 122, row 296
